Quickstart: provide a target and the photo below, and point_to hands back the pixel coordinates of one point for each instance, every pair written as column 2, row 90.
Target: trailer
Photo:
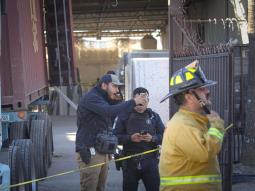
column 25, row 130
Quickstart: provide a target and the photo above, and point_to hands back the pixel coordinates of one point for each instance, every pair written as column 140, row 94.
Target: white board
column 152, row 74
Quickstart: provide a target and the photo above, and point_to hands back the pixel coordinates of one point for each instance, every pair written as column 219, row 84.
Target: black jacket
column 94, row 115
column 124, row 137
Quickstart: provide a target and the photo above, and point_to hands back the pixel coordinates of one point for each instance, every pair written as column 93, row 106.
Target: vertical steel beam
column 1, row 138
column 57, row 48
column 228, row 175
column 171, row 48
column 67, row 45
column 226, row 16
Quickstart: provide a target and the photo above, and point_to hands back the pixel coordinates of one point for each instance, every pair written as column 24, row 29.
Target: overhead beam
column 125, row 14
column 123, row 25
column 128, row 5
column 113, row 34
column 128, row 19
column 124, row 9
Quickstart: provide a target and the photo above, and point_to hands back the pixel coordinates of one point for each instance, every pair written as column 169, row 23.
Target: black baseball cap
column 110, row 78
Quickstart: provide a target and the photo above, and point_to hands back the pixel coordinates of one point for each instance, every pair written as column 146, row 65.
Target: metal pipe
column 171, row 48
column 69, row 101
column 226, row 15
column 57, row 48
column 67, row 47
column 228, row 176
column 187, row 37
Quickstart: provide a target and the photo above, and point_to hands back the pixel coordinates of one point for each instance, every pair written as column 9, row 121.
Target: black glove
column 85, row 155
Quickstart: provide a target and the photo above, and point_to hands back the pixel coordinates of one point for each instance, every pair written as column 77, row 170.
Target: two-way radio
column 202, row 103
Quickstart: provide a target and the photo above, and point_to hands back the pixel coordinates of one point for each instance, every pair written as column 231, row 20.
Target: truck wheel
column 27, row 160
column 48, row 125
column 14, row 160
column 37, row 135
column 18, row 130
column 50, row 146
column 31, row 117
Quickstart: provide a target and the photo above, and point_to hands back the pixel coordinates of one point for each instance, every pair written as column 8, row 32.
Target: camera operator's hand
column 140, row 100
column 85, row 155
column 147, row 137
column 136, row 137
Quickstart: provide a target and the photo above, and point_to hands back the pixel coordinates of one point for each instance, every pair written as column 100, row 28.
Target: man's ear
column 189, row 97
column 104, row 86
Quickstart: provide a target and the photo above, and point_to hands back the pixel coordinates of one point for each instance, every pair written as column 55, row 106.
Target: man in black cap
column 118, row 98
column 94, row 116
column 140, row 130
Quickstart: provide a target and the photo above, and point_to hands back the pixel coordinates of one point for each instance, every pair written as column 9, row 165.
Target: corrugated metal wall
column 5, row 67
column 23, row 64
column 215, row 67
column 32, row 45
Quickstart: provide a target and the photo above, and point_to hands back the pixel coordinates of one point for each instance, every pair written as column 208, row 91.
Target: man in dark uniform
column 94, row 116
column 140, row 130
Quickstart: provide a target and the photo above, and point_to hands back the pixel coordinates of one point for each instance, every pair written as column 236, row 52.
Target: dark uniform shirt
column 94, row 116
column 132, row 122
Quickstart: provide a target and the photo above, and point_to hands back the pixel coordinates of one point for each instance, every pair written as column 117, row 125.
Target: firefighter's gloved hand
column 85, row 155
column 216, row 121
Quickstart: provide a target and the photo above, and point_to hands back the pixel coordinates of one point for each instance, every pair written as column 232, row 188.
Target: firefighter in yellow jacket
column 193, row 136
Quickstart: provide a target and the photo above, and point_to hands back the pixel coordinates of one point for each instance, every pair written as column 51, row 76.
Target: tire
column 37, row 135
column 50, row 146
column 16, row 168
column 28, row 162
column 31, row 116
column 18, row 130
column 48, row 125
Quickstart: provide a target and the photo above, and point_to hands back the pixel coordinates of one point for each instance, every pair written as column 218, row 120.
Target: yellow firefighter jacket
column 188, row 160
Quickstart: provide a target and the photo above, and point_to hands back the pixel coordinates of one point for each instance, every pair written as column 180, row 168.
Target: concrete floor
column 64, row 129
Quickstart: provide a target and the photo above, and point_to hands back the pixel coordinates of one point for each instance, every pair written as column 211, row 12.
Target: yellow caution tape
column 77, row 170
column 92, row 166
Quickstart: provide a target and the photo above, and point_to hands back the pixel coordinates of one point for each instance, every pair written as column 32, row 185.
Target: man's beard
column 207, row 100
column 111, row 95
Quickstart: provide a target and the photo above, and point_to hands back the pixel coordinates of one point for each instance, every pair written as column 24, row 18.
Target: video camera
column 106, row 143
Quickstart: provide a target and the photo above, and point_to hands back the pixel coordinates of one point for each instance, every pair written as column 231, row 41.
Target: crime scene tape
column 91, row 166
column 78, row 170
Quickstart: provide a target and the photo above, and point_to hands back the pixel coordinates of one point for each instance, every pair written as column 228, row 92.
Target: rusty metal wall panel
column 26, row 50
column 5, row 67
column 32, row 45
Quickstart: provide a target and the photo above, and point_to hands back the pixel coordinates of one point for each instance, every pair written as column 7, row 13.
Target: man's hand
column 216, row 121
column 213, row 115
column 136, row 137
column 147, row 137
column 140, row 100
